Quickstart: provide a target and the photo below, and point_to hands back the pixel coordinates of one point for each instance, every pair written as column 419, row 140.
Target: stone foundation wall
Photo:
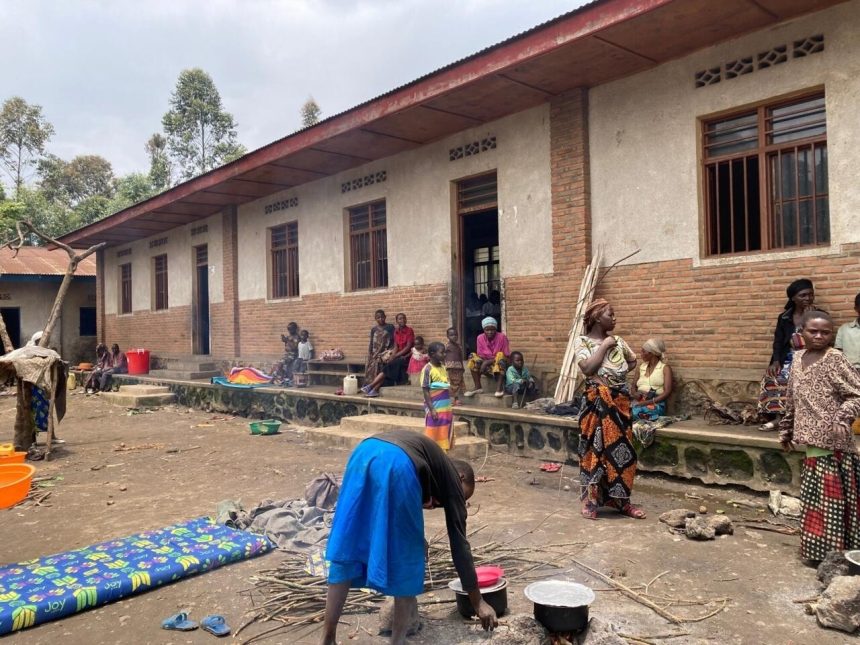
column 535, row 437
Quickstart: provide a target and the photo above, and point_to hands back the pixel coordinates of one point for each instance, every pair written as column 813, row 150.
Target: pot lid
column 559, row 593
column 456, row 586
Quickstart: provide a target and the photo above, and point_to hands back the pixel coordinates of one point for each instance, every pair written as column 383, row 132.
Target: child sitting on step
column 417, row 360
column 518, row 380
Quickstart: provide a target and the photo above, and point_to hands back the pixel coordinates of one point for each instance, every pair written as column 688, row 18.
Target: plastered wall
column 645, row 143
column 180, row 259
column 418, row 203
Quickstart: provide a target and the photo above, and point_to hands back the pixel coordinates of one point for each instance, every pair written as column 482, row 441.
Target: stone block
column 375, row 423
column 660, row 453
column 696, row 461
column 732, row 464
column 775, row 468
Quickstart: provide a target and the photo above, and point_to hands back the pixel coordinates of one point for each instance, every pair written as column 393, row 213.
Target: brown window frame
column 160, row 291
column 125, row 288
column 283, row 242
column 367, row 230
column 753, row 168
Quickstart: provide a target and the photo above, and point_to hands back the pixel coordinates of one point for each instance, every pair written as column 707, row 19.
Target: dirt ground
column 105, row 494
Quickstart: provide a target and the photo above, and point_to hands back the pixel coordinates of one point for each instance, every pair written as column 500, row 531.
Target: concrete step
column 187, row 363
column 140, row 396
column 465, row 446
column 489, row 400
column 184, row 375
column 402, row 393
column 376, row 423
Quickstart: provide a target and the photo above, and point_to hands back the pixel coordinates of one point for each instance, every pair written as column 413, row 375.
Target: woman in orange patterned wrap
column 607, row 460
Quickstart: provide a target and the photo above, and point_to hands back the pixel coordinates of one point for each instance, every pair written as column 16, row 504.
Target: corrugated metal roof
column 37, row 260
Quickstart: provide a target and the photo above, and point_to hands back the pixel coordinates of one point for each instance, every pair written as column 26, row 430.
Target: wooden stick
column 629, row 593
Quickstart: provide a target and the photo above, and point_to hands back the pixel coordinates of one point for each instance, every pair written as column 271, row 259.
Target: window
column 88, row 322
column 159, row 282
column 284, row 254
column 368, row 247
column 125, row 288
column 765, row 178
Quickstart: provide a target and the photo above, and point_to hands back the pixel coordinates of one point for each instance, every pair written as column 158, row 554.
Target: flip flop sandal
column 770, row 426
column 589, row 512
column 179, row 622
column 216, row 625
column 632, row 511
column 550, row 467
column 372, row 394
column 499, row 395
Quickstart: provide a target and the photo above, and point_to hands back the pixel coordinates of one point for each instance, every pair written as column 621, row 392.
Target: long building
column 719, row 139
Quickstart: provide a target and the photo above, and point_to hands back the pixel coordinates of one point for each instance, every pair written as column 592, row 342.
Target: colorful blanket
column 45, row 589
column 248, row 376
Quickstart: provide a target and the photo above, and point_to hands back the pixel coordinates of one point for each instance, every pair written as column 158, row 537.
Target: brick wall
column 343, row 321
column 164, row 331
column 723, row 316
column 225, row 332
column 539, row 309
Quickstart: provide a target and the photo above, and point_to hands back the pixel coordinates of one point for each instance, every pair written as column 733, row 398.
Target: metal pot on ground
column 560, row 606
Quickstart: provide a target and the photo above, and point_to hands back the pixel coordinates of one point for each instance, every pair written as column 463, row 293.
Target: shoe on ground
column 515, row 406
column 471, row 393
column 499, row 395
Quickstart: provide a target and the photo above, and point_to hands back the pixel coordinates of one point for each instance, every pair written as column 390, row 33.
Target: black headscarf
column 794, row 288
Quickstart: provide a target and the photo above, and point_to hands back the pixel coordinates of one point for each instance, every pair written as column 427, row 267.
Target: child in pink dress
column 417, row 361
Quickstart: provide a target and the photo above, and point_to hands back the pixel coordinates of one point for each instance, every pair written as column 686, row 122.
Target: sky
column 103, row 70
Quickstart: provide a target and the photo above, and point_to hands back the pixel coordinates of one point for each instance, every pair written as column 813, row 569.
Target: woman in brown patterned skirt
column 822, row 401
column 607, row 460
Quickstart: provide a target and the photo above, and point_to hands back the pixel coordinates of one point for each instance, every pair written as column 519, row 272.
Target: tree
column 24, row 131
column 200, row 134
column 160, row 168
column 310, row 113
column 72, row 182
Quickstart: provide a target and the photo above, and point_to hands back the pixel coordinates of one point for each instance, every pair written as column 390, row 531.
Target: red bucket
column 138, row 361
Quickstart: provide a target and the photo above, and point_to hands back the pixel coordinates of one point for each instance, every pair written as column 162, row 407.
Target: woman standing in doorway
column 823, row 398
column 607, row 460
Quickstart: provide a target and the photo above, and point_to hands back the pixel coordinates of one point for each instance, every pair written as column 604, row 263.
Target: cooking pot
column 560, row 606
column 495, row 596
column 853, row 559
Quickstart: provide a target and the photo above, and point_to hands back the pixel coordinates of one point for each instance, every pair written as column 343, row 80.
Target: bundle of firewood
column 570, row 377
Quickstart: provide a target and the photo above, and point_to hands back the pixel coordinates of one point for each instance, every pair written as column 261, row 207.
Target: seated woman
column 283, row 372
column 518, row 380
column 103, row 363
column 119, row 365
column 654, row 386
column 787, row 339
column 490, row 359
column 379, row 352
column 394, row 360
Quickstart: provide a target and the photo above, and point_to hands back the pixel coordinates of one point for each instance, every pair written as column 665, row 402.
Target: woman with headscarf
column 654, row 386
column 104, row 362
column 491, row 358
column 787, row 339
column 607, row 460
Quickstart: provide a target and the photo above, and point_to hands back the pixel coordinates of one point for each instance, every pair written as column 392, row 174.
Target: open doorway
column 12, row 319
column 479, row 277
column 200, row 322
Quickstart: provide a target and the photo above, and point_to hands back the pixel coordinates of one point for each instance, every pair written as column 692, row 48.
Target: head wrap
column 594, row 311
column 35, row 338
column 655, row 346
column 489, row 321
column 795, row 288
